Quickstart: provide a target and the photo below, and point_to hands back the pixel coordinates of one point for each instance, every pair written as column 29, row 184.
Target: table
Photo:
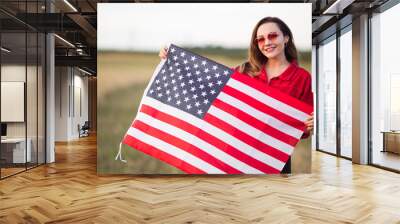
column 391, row 141
column 16, row 147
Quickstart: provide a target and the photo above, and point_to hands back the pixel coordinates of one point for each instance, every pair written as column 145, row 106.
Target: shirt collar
column 287, row 74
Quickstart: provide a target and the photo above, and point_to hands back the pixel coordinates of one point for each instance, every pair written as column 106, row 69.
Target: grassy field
column 122, row 78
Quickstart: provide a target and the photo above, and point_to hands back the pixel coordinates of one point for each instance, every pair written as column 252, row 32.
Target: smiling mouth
column 269, row 49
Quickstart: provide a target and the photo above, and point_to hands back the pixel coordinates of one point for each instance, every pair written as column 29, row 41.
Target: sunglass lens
column 260, row 40
column 272, row 36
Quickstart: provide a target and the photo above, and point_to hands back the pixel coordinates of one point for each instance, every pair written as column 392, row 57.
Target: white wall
column 80, row 84
column 13, row 73
column 62, row 80
column 33, row 126
column 16, row 73
column 71, row 102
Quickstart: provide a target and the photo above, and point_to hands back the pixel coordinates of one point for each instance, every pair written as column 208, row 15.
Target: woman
column 273, row 59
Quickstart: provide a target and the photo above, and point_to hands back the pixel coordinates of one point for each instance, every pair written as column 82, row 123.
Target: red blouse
column 294, row 81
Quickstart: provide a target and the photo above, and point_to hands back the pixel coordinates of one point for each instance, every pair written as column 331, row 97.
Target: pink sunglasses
column 270, row 36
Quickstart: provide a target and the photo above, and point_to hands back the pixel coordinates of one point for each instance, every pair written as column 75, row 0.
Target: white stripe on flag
column 174, row 151
column 263, row 117
column 196, row 141
column 248, row 129
column 214, row 131
column 262, row 97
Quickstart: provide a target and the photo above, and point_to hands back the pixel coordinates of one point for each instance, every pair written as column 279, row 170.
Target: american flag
column 204, row 118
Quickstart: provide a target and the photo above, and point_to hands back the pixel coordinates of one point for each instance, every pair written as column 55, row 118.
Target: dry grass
column 119, row 70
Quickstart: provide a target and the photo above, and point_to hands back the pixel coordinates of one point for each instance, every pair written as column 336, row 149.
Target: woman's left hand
column 309, row 123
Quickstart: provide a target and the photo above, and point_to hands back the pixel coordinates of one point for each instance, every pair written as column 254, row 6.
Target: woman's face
column 270, row 40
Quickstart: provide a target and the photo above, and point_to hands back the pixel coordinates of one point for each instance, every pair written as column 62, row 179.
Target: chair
column 84, row 130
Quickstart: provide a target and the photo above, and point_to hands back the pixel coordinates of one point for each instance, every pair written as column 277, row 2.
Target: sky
column 150, row 26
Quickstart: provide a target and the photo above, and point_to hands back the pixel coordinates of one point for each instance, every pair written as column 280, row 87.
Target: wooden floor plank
column 70, row 191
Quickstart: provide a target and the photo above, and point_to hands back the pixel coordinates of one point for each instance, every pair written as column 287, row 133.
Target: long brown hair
column 255, row 57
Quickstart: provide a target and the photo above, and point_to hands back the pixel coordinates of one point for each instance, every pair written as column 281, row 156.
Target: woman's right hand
column 163, row 53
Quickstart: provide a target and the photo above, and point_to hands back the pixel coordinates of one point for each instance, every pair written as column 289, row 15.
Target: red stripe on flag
column 260, row 86
column 263, row 107
column 159, row 154
column 179, row 143
column 260, row 146
column 254, row 122
column 208, row 138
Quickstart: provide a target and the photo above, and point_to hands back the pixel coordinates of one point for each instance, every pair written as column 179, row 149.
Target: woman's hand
column 163, row 53
column 309, row 123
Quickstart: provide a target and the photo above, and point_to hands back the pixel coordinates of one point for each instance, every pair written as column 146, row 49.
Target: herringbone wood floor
column 69, row 191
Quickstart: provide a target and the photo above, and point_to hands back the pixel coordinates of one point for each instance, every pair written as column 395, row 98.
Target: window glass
column 345, row 94
column 327, row 96
column 385, row 87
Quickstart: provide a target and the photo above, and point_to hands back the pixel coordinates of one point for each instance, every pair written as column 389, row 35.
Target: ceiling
column 75, row 23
